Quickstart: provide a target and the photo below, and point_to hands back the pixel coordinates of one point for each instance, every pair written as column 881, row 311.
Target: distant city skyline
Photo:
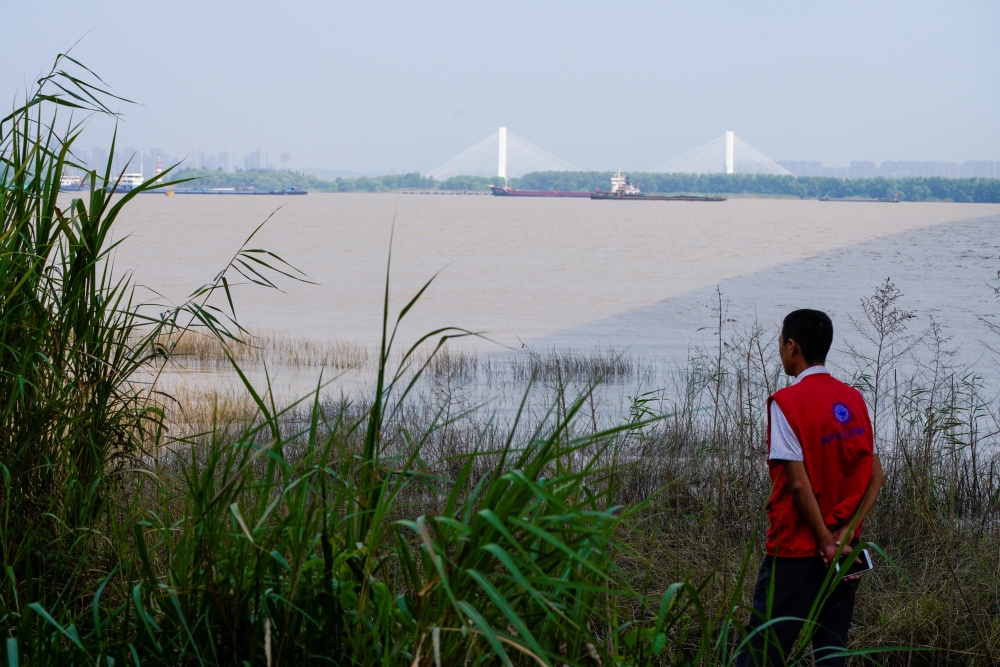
column 896, row 169
column 145, row 161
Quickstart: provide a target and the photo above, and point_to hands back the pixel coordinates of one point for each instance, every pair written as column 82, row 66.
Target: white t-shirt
column 784, row 445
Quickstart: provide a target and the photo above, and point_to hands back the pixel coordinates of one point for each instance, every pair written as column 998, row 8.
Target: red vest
column 830, row 419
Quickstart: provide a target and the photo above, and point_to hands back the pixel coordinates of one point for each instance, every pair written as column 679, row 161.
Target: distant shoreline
column 730, row 195
column 754, row 186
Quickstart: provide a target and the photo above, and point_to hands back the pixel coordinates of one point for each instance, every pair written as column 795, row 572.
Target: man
column 825, row 477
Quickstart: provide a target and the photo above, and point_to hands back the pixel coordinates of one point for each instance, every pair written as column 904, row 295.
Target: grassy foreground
column 404, row 526
column 697, row 471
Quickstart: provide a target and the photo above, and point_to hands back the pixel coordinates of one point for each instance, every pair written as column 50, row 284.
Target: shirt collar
column 812, row 370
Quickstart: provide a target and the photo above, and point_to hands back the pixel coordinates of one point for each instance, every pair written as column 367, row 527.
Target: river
column 568, row 272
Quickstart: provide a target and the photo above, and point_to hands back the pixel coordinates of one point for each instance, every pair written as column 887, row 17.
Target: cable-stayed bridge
column 727, row 154
column 507, row 155
column 502, row 154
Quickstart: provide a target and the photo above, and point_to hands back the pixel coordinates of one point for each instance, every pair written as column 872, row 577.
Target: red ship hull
column 508, row 192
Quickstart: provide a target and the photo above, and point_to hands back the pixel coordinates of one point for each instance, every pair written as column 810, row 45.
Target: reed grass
column 278, row 350
column 259, row 348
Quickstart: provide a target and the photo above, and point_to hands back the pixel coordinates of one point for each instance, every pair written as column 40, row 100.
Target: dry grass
column 194, row 349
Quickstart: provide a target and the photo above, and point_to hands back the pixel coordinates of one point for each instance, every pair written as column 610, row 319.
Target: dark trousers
column 797, row 582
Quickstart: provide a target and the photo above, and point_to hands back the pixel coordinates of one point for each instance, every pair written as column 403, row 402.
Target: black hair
column 812, row 330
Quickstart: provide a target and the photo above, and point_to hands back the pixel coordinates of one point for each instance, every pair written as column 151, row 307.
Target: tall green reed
column 73, row 420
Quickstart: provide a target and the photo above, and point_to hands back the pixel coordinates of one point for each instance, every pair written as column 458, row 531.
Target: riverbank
column 980, row 190
column 972, row 190
column 269, row 179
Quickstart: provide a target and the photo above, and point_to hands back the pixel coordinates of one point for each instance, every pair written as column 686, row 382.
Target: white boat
column 127, row 182
column 70, row 183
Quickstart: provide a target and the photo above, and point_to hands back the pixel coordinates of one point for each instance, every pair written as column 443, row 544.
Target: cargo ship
column 881, row 200
column 510, row 192
column 238, row 191
column 622, row 189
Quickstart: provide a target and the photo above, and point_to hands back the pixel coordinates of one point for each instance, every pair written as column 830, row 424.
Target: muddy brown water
column 566, row 271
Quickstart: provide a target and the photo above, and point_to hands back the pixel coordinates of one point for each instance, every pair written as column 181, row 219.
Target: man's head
column 806, row 337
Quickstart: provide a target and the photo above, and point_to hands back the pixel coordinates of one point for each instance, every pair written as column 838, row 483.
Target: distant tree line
column 264, row 179
column 278, row 180
column 806, row 187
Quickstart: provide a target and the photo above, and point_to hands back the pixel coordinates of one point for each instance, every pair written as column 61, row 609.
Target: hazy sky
column 407, row 85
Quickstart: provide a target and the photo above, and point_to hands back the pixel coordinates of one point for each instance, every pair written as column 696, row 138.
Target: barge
column 510, row 192
column 237, row 191
column 880, row 200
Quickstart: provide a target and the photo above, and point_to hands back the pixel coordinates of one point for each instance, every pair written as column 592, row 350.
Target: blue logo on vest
column 841, row 412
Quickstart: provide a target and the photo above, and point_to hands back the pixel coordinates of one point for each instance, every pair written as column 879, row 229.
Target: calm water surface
column 568, row 272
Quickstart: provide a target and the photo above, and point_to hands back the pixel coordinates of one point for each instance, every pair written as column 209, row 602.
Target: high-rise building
column 865, row 169
column 80, row 157
column 98, row 159
column 981, row 169
column 255, row 161
column 226, row 161
column 897, row 169
column 802, row 167
column 126, row 160
column 195, row 160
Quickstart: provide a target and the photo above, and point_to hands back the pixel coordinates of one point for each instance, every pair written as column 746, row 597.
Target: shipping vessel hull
column 881, row 200
column 232, row 191
column 508, row 192
column 600, row 196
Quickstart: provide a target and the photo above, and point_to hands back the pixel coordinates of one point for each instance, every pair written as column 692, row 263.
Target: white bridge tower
column 736, row 154
column 730, row 140
column 502, row 166
column 502, row 153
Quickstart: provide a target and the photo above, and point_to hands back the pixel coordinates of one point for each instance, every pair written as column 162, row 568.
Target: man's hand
column 829, row 551
column 871, row 494
column 805, row 502
column 843, row 540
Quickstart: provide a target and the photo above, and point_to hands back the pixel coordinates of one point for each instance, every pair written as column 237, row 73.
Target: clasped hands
column 828, row 550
